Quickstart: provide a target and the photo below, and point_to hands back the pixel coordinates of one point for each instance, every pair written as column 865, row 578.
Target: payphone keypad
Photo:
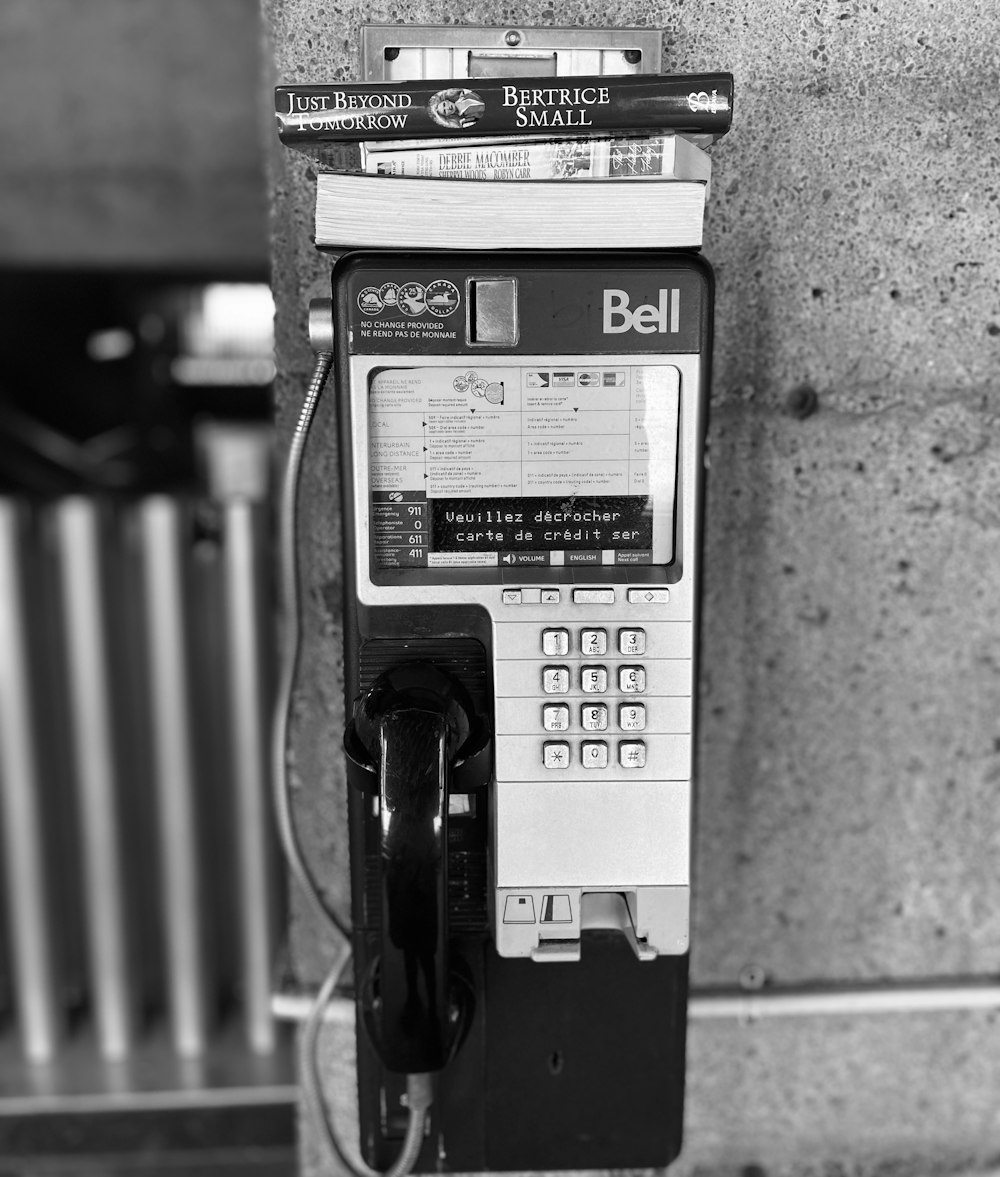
column 628, row 679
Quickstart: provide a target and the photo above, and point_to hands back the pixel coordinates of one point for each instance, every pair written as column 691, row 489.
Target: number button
column 632, row 754
column 594, row 643
column 555, row 680
column 555, row 717
column 631, row 717
column 555, row 643
column 555, row 754
column 632, row 641
column 632, row 680
column 594, row 755
column 594, row 680
column 594, row 719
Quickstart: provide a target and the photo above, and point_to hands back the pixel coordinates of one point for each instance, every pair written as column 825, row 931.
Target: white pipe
column 885, row 998
column 748, row 1006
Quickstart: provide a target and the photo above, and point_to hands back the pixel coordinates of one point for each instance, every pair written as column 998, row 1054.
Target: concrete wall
column 848, row 813
column 130, row 135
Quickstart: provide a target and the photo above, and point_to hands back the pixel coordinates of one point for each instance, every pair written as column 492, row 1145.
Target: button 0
column 511, row 596
column 594, row 754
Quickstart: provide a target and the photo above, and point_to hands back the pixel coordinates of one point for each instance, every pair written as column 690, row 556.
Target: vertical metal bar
column 96, row 777
column 182, row 891
column 29, row 912
column 246, row 683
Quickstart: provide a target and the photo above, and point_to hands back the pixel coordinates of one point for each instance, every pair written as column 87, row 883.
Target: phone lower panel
column 566, row 1066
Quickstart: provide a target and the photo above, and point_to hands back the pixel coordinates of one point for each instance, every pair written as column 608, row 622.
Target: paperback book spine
column 450, row 108
column 658, row 157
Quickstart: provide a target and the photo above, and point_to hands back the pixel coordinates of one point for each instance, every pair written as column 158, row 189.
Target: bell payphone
column 522, row 441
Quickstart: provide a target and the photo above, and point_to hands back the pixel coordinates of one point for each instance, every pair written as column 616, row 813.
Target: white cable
column 419, row 1091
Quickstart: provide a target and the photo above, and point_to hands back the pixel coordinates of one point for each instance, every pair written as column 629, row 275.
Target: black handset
column 415, row 724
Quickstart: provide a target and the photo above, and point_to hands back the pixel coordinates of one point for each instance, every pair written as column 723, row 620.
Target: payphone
column 521, row 445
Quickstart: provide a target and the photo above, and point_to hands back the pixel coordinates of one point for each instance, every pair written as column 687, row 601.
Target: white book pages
column 404, row 213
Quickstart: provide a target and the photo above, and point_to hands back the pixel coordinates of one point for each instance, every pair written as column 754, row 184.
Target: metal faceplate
column 593, row 664
column 409, row 52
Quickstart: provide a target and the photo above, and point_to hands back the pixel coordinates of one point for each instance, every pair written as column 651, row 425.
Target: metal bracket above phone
column 398, row 52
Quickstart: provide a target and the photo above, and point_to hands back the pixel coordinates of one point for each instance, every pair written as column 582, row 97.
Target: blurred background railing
column 142, row 892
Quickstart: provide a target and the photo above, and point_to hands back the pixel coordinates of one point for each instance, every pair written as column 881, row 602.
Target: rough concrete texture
column 129, row 135
column 848, row 821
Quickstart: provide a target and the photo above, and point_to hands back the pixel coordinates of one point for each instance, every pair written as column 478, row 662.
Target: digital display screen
column 499, row 465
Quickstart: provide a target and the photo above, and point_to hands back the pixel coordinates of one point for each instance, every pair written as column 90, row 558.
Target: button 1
column 555, row 680
column 555, row 642
column 555, row 717
column 555, row 754
column 593, row 643
column 632, row 754
column 632, row 641
column 550, row 596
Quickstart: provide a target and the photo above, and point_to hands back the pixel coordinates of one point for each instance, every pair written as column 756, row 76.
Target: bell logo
column 646, row 319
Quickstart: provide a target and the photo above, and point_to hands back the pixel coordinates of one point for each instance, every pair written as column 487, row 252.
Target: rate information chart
column 522, row 465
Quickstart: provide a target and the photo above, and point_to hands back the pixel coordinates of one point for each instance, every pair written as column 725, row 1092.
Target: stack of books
column 532, row 162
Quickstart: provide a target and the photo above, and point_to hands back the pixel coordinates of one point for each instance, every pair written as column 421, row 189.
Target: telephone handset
column 410, row 730
column 522, row 442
